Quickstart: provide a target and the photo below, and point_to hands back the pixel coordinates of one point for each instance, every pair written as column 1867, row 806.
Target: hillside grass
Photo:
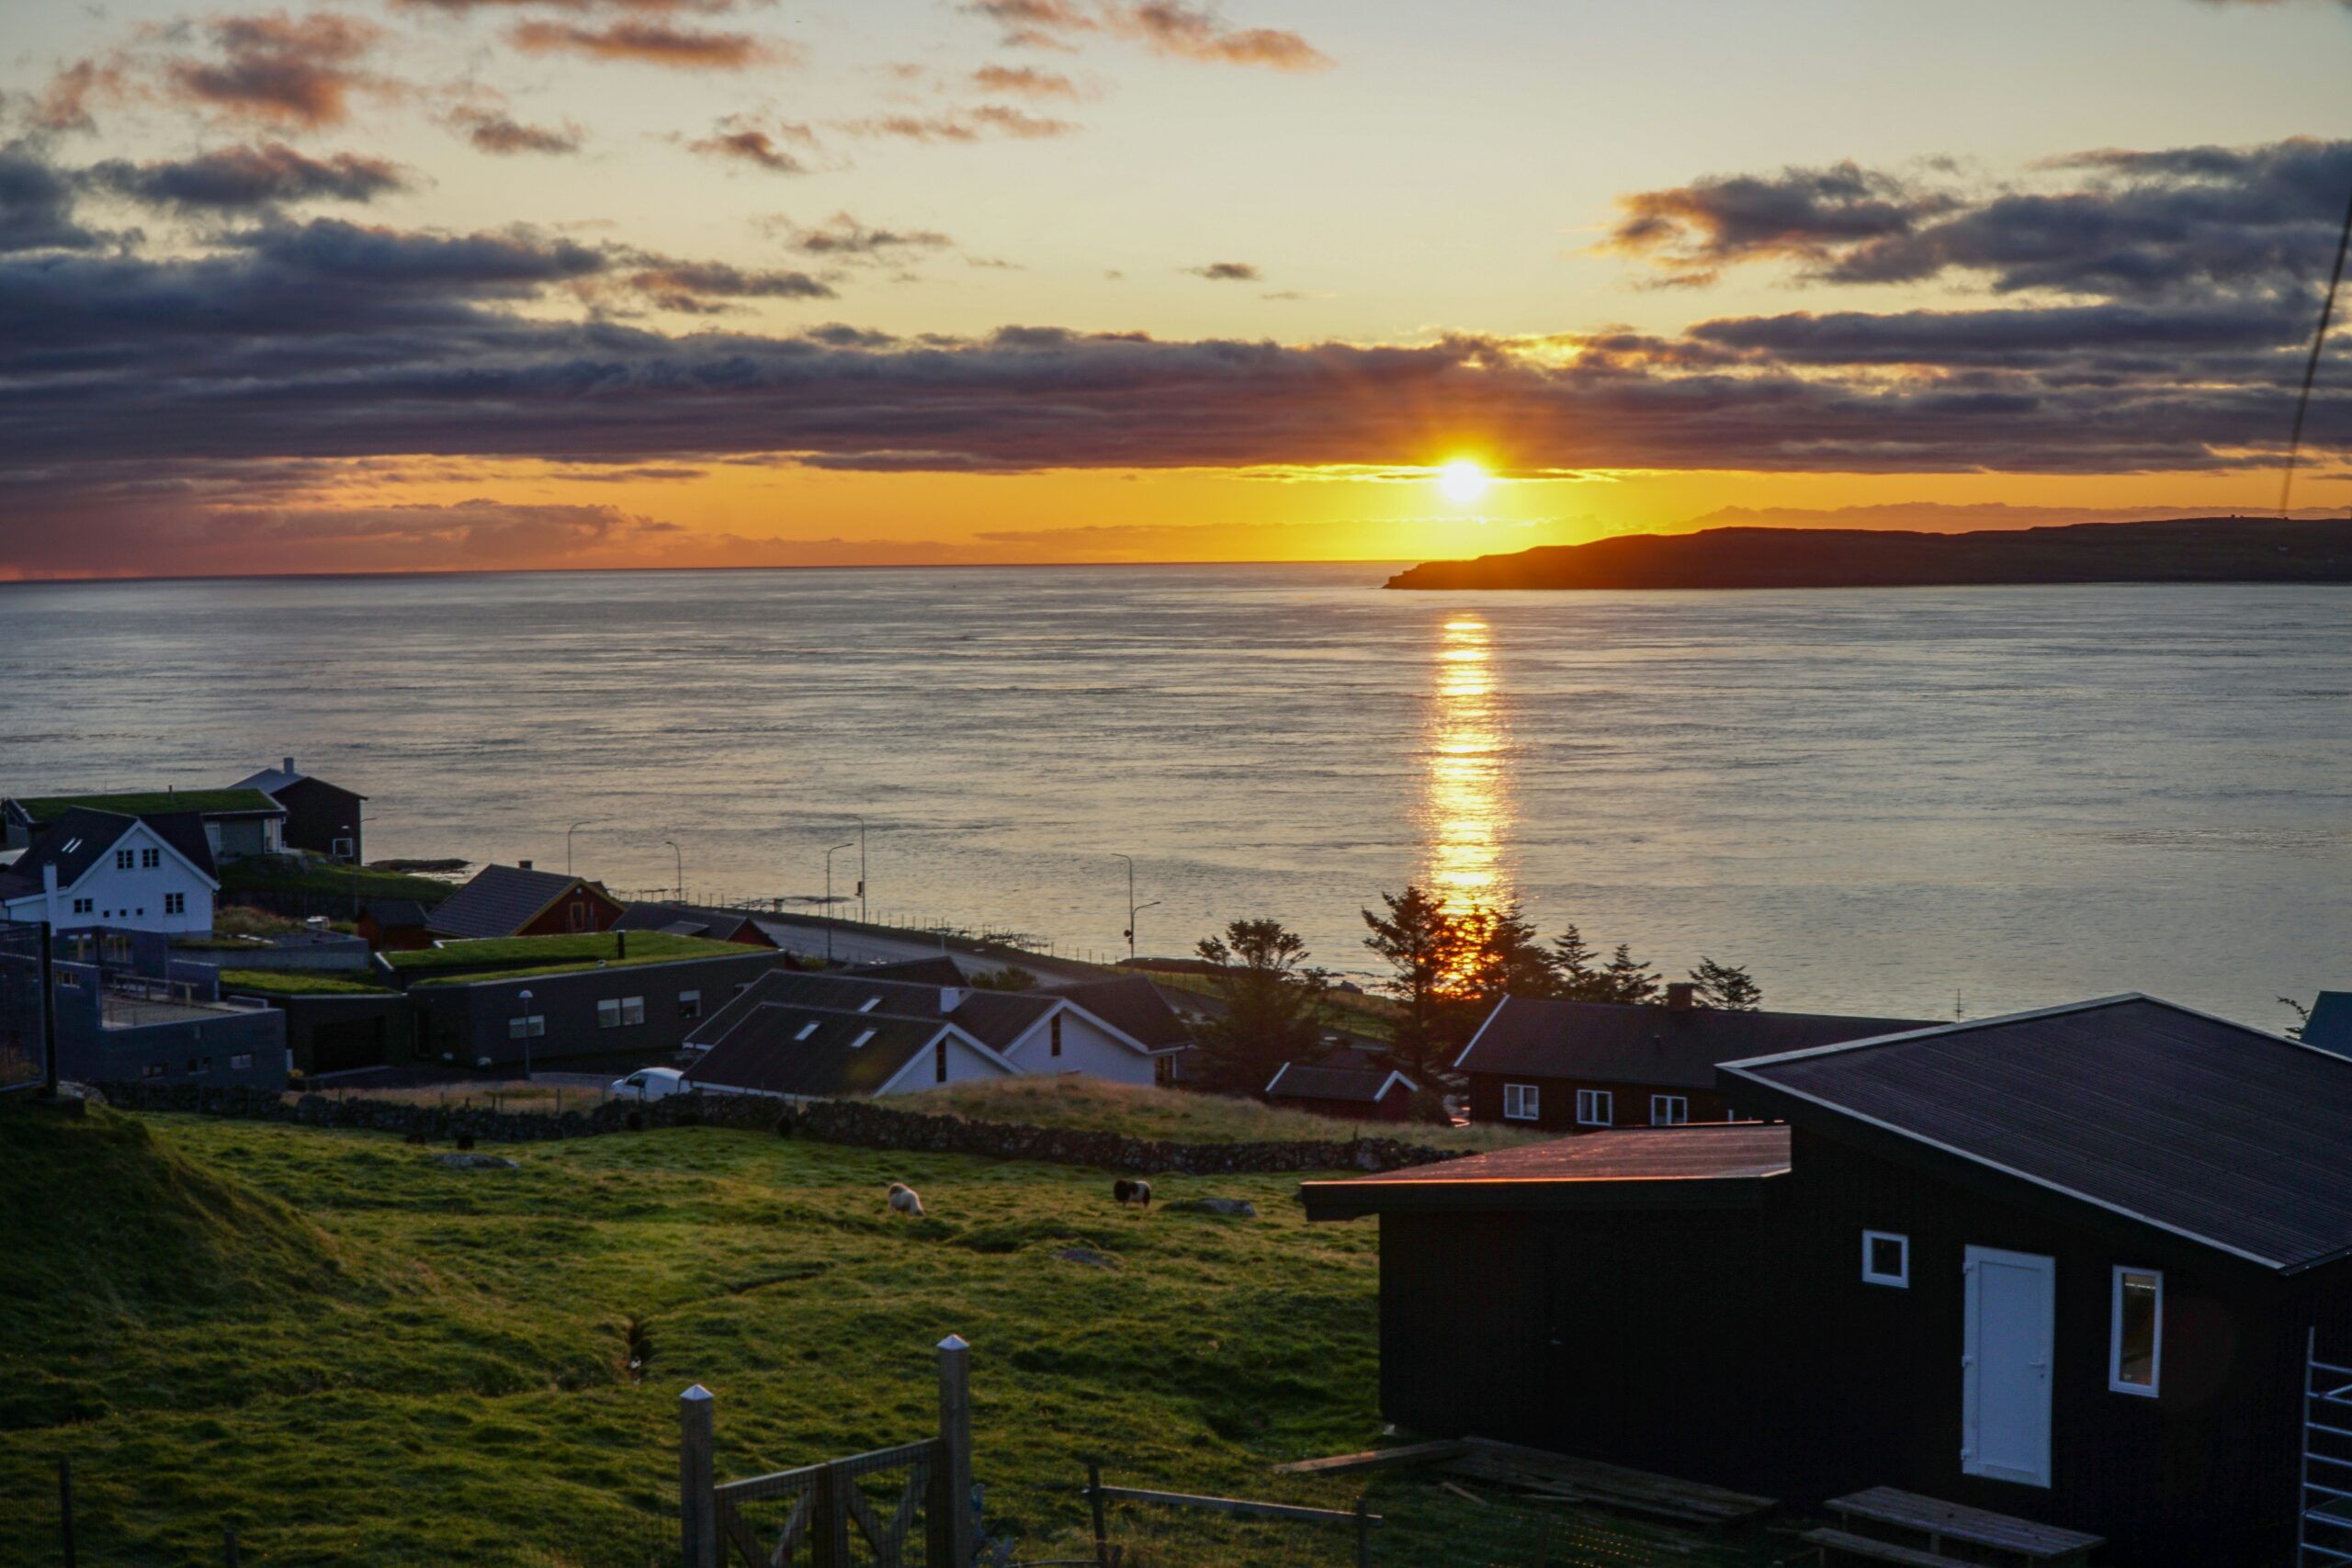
column 298, row 983
column 354, row 1357
column 304, row 873
column 495, row 957
column 1177, row 1115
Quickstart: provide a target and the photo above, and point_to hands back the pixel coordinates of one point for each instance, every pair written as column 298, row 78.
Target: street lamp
column 861, row 869
column 829, row 900
column 1132, row 913
column 1133, row 909
column 525, row 999
column 672, row 844
column 567, row 843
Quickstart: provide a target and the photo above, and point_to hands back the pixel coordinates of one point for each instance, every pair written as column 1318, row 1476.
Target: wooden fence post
column 1363, row 1534
column 955, row 1445
column 229, row 1548
column 1094, row 1508
column 829, row 1542
column 698, row 1499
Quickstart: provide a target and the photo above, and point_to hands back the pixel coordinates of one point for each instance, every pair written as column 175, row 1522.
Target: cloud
column 1166, row 27
column 65, row 103
column 962, row 125
column 2169, row 223
column 280, row 70
column 707, row 288
column 740, row 138
column 1024, row 81
column 498, row 133
column 1226, row 272
column 37, row 205
column 652, row 44
column 843, row 238
column 248, row 178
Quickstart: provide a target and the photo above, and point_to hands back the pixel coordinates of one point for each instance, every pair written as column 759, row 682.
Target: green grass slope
column 355, row 1356
column 1141, row 1110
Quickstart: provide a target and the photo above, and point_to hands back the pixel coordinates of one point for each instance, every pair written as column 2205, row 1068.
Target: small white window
column 863, row 1036
column 608, row 1013
column 1886, row 1259
column 806, row 1031
column 527, row 1026
column 83, row 906
column 176, row 903
column 122, row 860
column 1522, row 1101
column 869, row 1004
column 632, row 1010
column 689, row 1004
column 150, row 858
column 1596, row 1108
column 2136, row 1349
column 1669, row 1109
column 241, row 1062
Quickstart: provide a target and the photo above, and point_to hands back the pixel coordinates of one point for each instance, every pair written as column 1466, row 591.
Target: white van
column 650, row 1083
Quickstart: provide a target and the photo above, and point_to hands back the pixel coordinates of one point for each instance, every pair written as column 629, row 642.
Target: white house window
column 122, row 860
column 632, row 1010
column 863, row 1036
column 1886, row 1259
column 2136, row 1354
column 1669, row 1109
column 1596, row 1108
column 150, row 858
column 526, row 1026
column 83, row 906
column 689, row 1004
column 869, row 1004
column 176, row 903
column 241, row 1062
column 806, row 1031
column 1522, row 1101
column 615, row 1011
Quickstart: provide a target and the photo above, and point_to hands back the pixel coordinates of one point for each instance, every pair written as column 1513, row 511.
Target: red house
column 515, row 900
column 1588, row 1066
column 1356, row 1094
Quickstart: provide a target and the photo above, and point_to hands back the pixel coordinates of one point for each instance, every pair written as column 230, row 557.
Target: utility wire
column 2310, row 365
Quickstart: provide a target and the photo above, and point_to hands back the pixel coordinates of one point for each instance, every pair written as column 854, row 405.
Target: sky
column 418, row 285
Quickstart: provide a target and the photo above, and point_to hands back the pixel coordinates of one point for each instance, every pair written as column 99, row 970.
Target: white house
column 99, row 868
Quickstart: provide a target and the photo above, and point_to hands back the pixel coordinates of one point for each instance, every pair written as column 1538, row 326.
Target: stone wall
column 860, row 1122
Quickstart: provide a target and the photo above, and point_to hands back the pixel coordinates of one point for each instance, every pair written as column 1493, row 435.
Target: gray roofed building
column 1363, row 1085
column 2216, row 1132
column 518, row 900
column 806, row 1053
column 1671, row 1046
column 937, row 970
column 693, row 920
column 1134, row 1006
column 72, row 843
column 2330, row 1025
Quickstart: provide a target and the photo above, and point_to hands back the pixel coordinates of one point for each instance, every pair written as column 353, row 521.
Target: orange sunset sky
column 404, row 284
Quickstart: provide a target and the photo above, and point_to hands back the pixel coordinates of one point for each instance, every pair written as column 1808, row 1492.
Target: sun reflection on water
column 1465, row 805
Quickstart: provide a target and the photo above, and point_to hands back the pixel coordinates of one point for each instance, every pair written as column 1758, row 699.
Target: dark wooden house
column 519, row 900
column 694, row 919
column 1359, row 1094
column 1588, row 1066
column 2064, row 1265
column 321, row 818
column 394, row 925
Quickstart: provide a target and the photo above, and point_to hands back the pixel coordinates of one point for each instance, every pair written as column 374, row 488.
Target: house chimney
column 621, row 944
column 522, row 866
column 951, row 997
column 288, row 767
column 1681, row 996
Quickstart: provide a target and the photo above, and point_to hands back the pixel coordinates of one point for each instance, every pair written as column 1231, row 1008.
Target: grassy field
column 355, row 1356
column 1181, row 1117
column 286, row 874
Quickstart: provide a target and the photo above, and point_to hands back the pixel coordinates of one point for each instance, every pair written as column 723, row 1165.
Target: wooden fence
column 830, row 1518
column 1360, row 1519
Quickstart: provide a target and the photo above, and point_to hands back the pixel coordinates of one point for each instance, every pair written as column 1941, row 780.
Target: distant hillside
column 2200, row 549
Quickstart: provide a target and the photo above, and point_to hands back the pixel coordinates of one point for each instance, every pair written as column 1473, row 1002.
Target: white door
column 2005, row 1366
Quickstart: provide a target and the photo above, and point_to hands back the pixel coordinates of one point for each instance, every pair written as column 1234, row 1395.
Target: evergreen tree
column 1276, row 1005
column 1727, row 985
column 1422, row 946
column 1576, row 968
column 1500, row 956
column 1628, row 980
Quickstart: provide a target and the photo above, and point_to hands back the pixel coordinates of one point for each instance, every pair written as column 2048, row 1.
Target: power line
column 2310, row 365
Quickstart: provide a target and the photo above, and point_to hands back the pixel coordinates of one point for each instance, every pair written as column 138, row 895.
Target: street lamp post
column 567, row 843
column 1131, row 903
column 1132, row 913
column 672, row 844
column 862, row 919
column 829, row 900
column 525, row 999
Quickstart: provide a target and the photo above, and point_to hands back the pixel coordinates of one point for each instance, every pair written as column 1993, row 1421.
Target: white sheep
column 905, row 1200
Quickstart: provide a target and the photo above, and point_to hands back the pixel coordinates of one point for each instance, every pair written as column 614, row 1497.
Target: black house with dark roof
column 2064, row 1265
column 1588, row 1066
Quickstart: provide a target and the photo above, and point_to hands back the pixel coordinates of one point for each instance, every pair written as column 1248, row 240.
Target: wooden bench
column 2018, row 1541
column 1837, row 1544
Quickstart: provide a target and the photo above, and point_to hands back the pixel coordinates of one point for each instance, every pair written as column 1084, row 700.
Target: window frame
column 240, row 1061
column 124, row 860
column 2115, row 1381
column 1528, row 1097
column 1603, row 1101
column 1900, row 1281
column 176, row 903
column 689, row 1004
column 526, row 1026
column 1670, row 1100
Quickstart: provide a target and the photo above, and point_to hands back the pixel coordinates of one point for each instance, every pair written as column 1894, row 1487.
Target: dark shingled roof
column 937, row 970
column 2215, row 1132
column 1709, row 1165
column 184, row 831
column 1135, row 1007
column 499, row 901
column 396, row 914
column 1677, row 1047
column 2330, row 1025
column 693, row 920
column 760, row 1048
column 1362, row 1086
column 999, row 1018
column 72, row 843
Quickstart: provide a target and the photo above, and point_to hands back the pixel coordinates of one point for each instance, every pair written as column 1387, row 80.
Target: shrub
column 465, row 1140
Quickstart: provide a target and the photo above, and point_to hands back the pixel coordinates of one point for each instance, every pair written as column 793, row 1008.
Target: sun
column 1463, row 479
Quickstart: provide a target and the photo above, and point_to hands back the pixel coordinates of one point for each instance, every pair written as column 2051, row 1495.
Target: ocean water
column 1900, row 802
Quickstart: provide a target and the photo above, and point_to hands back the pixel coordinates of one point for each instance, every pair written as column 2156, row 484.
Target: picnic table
column 1933, row 1523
